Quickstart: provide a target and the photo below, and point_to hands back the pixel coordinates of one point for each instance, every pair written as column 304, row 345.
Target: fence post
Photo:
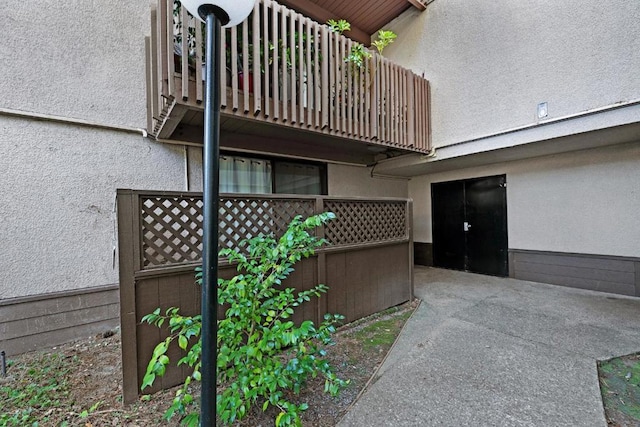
column 409, row 214
column 128, row 217
column 323, row 302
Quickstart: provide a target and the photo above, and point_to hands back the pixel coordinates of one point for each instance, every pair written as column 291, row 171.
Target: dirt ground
column 91, row 385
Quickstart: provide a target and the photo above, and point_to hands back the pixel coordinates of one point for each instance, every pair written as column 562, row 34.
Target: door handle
column 467, row 226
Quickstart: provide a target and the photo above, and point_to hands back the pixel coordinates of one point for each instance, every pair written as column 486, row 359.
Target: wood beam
column 326, row 150
column 418, row 4
column 320, row 14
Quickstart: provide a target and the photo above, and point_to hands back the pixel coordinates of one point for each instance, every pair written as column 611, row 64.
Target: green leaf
column 183, row 342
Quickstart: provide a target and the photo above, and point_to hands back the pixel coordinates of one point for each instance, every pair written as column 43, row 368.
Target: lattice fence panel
column 244, row 218
column 171, row 230
column 172, row 226
column 365, row 221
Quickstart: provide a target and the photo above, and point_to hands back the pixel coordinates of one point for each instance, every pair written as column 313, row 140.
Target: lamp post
column 215, row 14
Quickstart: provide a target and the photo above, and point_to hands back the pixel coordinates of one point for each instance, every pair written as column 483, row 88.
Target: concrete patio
column 487, row 351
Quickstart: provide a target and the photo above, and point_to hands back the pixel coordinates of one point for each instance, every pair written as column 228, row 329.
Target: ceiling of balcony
column 366, row 16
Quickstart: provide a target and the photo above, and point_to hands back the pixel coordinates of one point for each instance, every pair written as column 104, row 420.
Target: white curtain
column 245, row 175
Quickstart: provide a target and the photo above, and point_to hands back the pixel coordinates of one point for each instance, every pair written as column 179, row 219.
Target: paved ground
column 486, row 351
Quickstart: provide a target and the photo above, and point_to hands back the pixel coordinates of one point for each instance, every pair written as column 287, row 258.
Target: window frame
column 274, row 160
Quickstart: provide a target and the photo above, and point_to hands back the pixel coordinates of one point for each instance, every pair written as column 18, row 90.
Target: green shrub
column 260, row 351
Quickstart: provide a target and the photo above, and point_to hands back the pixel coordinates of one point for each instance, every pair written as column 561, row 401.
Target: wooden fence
column 367, row 264
column 281, row 67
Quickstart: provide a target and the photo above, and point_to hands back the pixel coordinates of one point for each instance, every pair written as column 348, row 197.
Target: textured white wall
column 491, row 62
column 583, row 202
column 77, row 58
column 57, row 219
column 356, row 181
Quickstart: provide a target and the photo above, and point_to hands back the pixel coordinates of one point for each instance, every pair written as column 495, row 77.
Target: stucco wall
column 582, row 202
column 356, row 181
column 81, row 59
column 491, row 62
column 57, row 218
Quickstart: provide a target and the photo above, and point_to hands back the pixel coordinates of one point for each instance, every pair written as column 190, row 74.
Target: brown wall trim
column 604, row 273
column 42, row 321
column 423, row 253
column 53, row 295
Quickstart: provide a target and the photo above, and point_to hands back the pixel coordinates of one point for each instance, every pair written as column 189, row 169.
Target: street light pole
column 216, row 14
column 210, row 197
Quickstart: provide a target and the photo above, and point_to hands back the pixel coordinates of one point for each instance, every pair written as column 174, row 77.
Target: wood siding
column 42, row 321
column 618, row 275
column 368, row 263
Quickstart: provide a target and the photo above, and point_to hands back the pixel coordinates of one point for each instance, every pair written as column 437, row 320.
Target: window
column 242, row 174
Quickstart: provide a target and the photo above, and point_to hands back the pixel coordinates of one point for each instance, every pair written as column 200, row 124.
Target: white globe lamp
column 229, row 12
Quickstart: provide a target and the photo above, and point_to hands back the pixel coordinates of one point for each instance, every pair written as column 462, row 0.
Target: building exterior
column 573, row 171
column 74, row 123
column 544, row 96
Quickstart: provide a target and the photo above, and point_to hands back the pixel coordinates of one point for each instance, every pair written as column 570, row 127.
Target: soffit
column 365, row 16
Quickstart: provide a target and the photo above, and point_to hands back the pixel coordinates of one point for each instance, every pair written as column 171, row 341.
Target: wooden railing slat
column 223, row 68
column 275, row 46
column 326, row 55
column 394, row 104
column 420, row 105
column 360, row 103
column 373, row 103
column 309, row 74
column 427, row 115
column 367, row 100
column 405, row 108
column 293, row 67
column 336, row 64
column 198, row 55
column 268, row 89
column 411, row 104
column 168, row 48
column 257, row 62
column 184, row 59
column 303, row 84
column 350, row 91
column 383, row 101
column 343, row 85
column 154, row 85
column 316, row 76
column 284, row 66
column 234, row 69
column 246, row 73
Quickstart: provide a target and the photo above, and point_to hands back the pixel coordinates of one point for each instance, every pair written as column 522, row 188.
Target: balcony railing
column 283, row 68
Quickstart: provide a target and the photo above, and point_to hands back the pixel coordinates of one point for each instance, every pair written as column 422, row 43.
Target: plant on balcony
column 358, row 53
column 261, row 352
column 357, row 58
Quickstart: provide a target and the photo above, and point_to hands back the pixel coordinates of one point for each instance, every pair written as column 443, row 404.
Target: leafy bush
column 261, row 352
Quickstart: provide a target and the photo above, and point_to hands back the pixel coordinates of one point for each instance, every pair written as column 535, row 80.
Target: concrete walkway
column 486, row 351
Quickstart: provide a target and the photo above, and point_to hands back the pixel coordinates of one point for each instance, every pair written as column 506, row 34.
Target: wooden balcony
column 280, row 68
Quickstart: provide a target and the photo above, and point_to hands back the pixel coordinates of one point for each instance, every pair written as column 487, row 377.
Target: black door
column 470, row 225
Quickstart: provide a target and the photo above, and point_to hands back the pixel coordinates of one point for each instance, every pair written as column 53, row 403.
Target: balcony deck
column 282, row 74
